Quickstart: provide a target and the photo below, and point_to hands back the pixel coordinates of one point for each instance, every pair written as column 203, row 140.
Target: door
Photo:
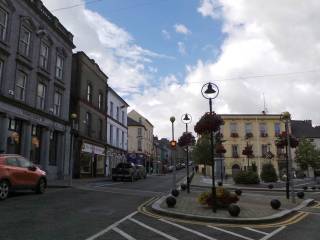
column 235, row 170
column 30, row 177
column 15, row 173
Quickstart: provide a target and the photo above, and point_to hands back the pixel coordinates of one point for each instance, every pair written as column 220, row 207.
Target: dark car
column 16, row 172
column 125, row 171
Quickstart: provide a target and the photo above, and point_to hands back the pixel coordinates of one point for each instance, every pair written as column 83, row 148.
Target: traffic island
column 254, row 209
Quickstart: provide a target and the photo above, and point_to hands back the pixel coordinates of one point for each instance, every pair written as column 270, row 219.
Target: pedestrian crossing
column 137, row 226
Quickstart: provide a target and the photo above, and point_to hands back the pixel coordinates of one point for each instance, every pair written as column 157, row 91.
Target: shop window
column 35, row 144
column 85, row 163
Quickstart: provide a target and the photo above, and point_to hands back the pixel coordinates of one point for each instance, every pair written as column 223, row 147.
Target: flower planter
column 275, row 204
column 209, row 122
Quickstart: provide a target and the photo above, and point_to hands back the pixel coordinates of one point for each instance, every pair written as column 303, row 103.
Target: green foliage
column 201, row 152
column 307, row 155
column 224, row 198
column 246, row 177
column 254, row 167
column 268, row 173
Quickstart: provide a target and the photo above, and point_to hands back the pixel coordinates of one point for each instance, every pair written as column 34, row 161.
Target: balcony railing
column 234, row 135
column 263, row 134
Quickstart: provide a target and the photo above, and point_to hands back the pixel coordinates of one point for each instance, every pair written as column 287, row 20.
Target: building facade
column 35, row 77
column 117, row 131
column 258, row 130
column 89, row 102
column 140, row 139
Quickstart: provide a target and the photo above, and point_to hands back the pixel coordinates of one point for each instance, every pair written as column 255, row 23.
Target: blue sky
column 228, row 42
column 146, row 21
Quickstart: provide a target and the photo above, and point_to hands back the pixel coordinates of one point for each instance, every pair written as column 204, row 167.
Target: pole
column 71, row 155
column 221, row 167
column 289, row 165
column 173, row 160
column 212, row 157
column 188, row 179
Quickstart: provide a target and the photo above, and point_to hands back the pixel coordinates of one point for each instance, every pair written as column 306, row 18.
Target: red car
column 16, row 172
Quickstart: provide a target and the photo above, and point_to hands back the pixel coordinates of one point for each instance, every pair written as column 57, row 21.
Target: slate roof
column 132, row 122
column 304, row 128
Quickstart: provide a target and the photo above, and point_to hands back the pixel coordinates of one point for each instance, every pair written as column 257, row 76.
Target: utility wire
column 76, row 5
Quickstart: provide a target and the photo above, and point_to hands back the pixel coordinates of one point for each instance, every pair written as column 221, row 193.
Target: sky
column 158, row 54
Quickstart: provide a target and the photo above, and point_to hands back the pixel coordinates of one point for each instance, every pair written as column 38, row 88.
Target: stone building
column 89, row 102
column 35, row 76
column 117, row 130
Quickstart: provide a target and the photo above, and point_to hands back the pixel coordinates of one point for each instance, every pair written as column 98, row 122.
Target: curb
column 269, row 219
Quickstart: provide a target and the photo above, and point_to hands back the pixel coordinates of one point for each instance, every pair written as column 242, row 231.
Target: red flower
column 220, row 148
column 209, row 122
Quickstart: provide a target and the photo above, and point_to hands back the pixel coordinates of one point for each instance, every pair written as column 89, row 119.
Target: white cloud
column 209, row 8
column 180, row 28
column 113, row 48
column 182, row 48
column 166, row 34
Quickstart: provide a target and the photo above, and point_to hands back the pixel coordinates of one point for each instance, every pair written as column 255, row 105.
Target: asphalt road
column 108, row 210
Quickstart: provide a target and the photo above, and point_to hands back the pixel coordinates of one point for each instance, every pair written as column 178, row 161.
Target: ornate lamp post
column 173, row 146
column 186, row 119
column 211, row 91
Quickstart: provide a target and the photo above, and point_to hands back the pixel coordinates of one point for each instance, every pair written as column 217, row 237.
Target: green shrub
column 268, row 173
column 246, row 177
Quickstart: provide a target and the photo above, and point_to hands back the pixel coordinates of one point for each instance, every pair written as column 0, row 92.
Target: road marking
column 153, row 229
column 273, row 233
column 231, row 233
column 123, row 234
column 255, row 230
column 188, row 229
column 111, row 226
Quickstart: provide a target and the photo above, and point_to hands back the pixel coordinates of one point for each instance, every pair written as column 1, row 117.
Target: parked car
column 141, row 171
column 16, row 172
column 125, row 170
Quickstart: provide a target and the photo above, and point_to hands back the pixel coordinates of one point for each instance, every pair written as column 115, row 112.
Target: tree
column 201, row 151
column 268, row 173
column 307, row 155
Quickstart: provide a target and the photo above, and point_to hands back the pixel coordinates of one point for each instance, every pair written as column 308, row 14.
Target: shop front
column 92, row 160
column 114, row 157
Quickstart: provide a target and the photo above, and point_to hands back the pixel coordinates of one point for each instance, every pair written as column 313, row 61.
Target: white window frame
column 22, row 87
column 41, row 99
column 43, row 59
column 26, row 50
column 59, row 66
column 100, row 101
column 57, row 104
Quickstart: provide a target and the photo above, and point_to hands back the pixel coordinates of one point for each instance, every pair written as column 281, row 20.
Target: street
column 109, row 210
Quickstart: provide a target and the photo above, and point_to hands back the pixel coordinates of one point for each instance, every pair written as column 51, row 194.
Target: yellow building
column 258, row 130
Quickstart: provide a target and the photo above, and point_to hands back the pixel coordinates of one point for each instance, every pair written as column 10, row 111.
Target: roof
column 142, row 116
column 131, row 122
column 304, row 129
column 115, row 93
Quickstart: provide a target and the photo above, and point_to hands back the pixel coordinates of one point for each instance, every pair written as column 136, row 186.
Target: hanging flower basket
column 282, row 141
column 234, row 135
column 186, row 139
column 220, row 149
column 249, row 135
column 209, row 122
column 247, row 151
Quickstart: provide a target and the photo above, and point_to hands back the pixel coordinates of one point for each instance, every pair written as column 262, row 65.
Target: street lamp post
column 172, row 119
column 186, row 119
column 73, row 128
column 211, row 91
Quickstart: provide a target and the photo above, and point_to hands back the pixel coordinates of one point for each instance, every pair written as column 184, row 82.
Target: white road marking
column 255, row 230
column 111, row 226
column 123, row 234
column 153, row 229
column 188, row 229
column 273, row 233
column 231, row 233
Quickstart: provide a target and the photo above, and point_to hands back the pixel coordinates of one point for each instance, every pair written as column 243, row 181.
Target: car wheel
column 41, row 187
column 4, row 189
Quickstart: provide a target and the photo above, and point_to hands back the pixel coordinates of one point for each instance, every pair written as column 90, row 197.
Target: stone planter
column 234, row 210
column 175, row 193
column 275, row 204
column 171, row 202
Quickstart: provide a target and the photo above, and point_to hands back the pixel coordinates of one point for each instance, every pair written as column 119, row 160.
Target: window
column 21, row 86
column 122, row 139
column 118, row 113
column 263, row 130
column 277, row 129
column 24, row 41
column 235, row 151
column 111, row 134
column 111, row 109
column 12, row 162
column 3, row 24
column 24, row 163
column 59, row 67
column 122, row 118
column 57, row 103
column 41, row 96
column 44, row 56
column 264, row 150
column 140, row 120
column 139, row 132
column 233, row 127
column 100, row 101
column 248, row 128
column 117, row 137
column 100, row 129
column 89, row 93
column 139, row 145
